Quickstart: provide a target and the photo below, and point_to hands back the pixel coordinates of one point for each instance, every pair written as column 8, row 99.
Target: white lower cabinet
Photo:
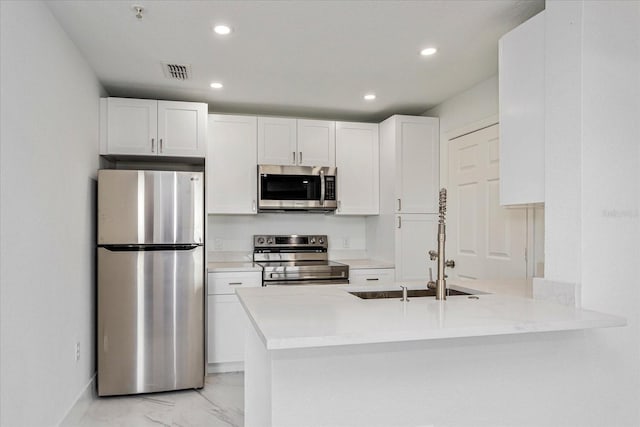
column 416, row 235
column 226, row 319
column 372, row 276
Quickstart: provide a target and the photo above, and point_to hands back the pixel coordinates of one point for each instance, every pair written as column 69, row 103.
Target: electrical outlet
column 217, row 244
column 345, row 242
column 78, row 351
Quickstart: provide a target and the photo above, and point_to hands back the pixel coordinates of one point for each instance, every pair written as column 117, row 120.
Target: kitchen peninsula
column 318, row 355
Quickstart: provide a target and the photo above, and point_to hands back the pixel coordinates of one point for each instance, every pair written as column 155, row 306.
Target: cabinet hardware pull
column 301, row 157
column 294, row 157
column 153, row 145
column 399, row 205
column 399, row 222
column 161, row 145
column 235, row 283
column 253, row 206
column 339, row 205
column 371, row 280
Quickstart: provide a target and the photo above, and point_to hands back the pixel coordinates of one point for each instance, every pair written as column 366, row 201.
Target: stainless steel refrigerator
column 150, row 281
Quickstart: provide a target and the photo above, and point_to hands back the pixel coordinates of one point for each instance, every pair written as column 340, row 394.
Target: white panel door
column 416, row 235
column 485, row 240
column 277, row 141
column 232, row 175
column 132, row 126
column 182, row 128
column 316, row 143
column 357, row 152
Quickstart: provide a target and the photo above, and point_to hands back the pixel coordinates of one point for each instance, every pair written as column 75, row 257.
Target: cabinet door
column 417, row 164
column 316, row 143
column 522, row 113
column 277, row 141
column 372, row 276
column 416, row 235
column 357, row 159
column 232, row 181
column 225, row 329
column 131, row 126
column 182, row 128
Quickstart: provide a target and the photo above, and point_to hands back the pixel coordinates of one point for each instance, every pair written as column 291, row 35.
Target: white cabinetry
column 357, row 159
column 316, row 143
column 285, row 141
column 225, row 318
column 153, row 128
column 522, row 126
column 406, row 228
column 231, row 165
column 371, row 276
column 416, row 235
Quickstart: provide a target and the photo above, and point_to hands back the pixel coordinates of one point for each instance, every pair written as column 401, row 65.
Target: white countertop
column 320, row 316
column 230, row 266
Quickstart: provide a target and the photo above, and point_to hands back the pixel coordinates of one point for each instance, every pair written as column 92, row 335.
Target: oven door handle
column 322, row 187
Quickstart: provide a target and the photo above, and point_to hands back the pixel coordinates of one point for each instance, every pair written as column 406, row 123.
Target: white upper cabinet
column 316, row 143
column 522, row 133
column 182, row 128
column 231, row 165
column 413, row 153
column 277, row 141
column 285, row 141
column 153, row 128
column 357, row 159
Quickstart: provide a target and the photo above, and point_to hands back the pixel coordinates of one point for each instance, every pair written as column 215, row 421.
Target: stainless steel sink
column 411, row 293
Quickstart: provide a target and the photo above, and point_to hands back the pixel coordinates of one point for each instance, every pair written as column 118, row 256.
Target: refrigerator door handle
column 134, row 248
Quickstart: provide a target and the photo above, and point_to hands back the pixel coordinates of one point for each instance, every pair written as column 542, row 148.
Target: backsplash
column 234, row 233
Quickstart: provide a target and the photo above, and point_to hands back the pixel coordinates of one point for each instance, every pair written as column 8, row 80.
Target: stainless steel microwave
column 296, row 188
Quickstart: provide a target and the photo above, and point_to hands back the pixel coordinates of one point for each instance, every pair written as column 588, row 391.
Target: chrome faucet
column 440, row 285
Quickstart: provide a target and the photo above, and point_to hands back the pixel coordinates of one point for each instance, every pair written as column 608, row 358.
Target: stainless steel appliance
column 150, row 281
column 297, row 260
column 296, row 188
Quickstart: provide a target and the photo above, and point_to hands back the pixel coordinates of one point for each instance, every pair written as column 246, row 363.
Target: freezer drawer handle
column 135, row 248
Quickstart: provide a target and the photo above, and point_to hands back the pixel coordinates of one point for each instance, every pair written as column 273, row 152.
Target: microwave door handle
column 322, row 188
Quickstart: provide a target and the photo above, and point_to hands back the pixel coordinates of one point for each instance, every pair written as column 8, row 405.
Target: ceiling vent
column 177, row 71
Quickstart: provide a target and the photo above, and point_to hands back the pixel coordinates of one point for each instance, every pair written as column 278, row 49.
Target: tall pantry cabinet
column 406, row 228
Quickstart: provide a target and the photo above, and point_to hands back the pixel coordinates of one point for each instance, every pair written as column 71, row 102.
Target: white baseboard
column 216, row 368
column 81, row 405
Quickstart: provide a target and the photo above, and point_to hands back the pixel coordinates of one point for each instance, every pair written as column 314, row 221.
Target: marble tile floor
column 219, row 404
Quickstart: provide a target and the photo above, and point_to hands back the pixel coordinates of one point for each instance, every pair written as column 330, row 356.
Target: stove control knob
column 312, row 240
column 321, row 241
column 261, row 240
column 270, row 241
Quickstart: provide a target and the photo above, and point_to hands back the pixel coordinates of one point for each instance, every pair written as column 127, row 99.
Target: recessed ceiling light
column 222, row 30
column 370, row 97
column 428, row 51
column 216, row 85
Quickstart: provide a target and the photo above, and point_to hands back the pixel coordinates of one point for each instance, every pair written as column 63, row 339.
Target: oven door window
column 290, row 187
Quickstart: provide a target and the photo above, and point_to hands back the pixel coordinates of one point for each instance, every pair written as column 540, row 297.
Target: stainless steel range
column 297, row 260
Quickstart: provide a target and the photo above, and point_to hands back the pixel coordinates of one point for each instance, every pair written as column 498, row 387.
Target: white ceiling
column 299, row 58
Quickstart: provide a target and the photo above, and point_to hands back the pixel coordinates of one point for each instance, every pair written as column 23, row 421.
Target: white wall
column 461, row 112
column 593, row 186
column 49, row 157
column 234, row 233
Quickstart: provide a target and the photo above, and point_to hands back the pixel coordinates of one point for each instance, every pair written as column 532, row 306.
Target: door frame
column 444, row 182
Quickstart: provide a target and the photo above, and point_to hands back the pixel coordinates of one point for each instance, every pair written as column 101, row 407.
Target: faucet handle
column 404, row 294
column 433, row 255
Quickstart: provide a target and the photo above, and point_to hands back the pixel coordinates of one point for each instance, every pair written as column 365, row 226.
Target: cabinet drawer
column 372, row 276
column 227, row 283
